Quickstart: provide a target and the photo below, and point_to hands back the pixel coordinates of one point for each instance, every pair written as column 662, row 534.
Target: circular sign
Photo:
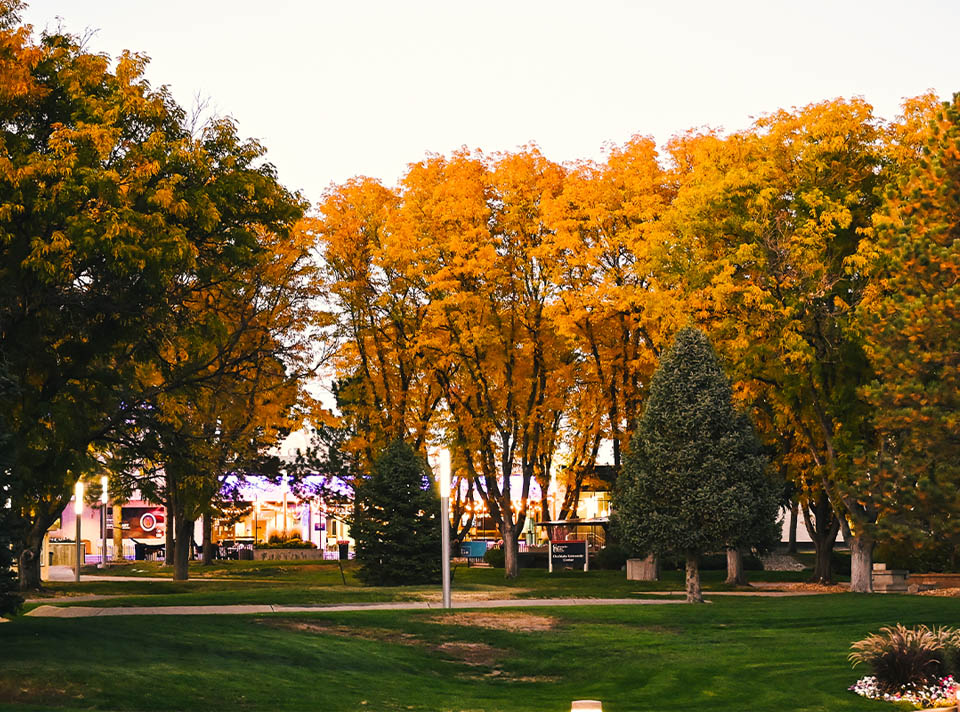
column 148, row 522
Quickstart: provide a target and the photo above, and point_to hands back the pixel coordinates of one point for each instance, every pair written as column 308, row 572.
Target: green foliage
column 10, row 600
column 611, row 558
column 695, row 477
column 291, row 542
column 495, row 557
column 396, row 520
column 901, row 656
column 910, row 321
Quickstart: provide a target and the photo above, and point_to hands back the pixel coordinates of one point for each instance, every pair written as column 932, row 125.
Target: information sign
column 571, row 554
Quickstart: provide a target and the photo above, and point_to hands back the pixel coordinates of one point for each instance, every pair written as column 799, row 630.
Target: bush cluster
column 900, row 656
column 292, row 542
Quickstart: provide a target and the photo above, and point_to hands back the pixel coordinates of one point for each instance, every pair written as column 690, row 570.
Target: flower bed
column 941, row 693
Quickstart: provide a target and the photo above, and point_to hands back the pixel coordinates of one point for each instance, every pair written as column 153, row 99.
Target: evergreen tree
column 694, row 478
column 10, row 600
column 396, row 520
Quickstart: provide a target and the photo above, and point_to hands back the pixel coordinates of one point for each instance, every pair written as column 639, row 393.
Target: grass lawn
column 751, row 654
column 286, row 582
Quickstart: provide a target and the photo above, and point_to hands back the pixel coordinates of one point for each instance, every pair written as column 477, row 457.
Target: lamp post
column 256, row 521
column 103, row 520
column 445, row 523
column 78, row 512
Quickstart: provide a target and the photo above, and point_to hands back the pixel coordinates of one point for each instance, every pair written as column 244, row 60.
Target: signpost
column 571, row 554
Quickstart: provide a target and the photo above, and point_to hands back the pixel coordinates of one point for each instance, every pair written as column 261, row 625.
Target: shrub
column 612, row 558
column 292, row 543
column 495, row 557
column 901, row 656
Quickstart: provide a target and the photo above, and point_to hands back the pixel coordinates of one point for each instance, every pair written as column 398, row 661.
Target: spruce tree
column 694, row 478
column 10, row 599
column 396, row 520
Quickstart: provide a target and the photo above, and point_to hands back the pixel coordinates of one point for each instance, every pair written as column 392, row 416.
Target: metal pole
column 445, row 524
column 76, row 568
column 103, row 520
column 103, row 531
column 78, row 513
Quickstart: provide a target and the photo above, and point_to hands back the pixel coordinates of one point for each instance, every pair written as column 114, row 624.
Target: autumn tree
column 229, row 380
column 605, row 231
column 92, row 236
column 694, row 479
column 766, row 224
column 477, row 230
column 910, row 322
column 380, row 312
column 119, row 223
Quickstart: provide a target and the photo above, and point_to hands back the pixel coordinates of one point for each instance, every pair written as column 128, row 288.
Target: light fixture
column 586, row 706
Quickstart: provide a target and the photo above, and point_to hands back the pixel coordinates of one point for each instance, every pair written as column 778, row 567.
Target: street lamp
column 445, row 523
column 78, row 512
column 103, row 520
column 256, row 521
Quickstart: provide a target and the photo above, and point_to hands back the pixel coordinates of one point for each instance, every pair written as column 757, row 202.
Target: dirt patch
column 384, row 635
column 487, row 594
column 513, row 622
column 36, row 692
column 470, row 653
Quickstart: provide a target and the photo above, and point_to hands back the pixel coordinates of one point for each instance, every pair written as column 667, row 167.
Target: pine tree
column 694, row 478
column 396, row 520
column 10, row 600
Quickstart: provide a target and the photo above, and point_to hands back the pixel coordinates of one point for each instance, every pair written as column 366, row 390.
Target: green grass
column 734, row 654
column 287, row 582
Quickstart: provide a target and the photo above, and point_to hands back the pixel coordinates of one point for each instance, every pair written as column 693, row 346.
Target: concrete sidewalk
column 65, row 574
column 88, row 611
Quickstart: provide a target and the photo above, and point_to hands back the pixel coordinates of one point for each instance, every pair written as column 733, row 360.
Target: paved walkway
column 666, row 597
column 65, row 573
column 88, row 611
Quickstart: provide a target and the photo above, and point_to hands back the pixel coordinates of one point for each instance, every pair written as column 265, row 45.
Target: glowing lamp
column 103, row 489
column 586, row 706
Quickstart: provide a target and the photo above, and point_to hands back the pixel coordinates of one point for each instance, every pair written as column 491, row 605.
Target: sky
column 338, row 89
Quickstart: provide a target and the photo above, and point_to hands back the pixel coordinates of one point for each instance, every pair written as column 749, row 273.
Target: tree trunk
column 117, row 532
column 28, row 563
column 169, row 548
column 181, row 549
column 735, row 573
column 823, row 531
column 29, row 567
column 207, row 539
column 511, row 551
column 694, row 593
column 792, row 542
column 861, row 564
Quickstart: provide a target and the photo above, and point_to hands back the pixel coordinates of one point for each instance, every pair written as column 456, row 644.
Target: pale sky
column 364, row 88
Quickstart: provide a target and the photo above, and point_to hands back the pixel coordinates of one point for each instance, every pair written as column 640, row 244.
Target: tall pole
column 78, row 513
column 103, row 520
column 445, row 523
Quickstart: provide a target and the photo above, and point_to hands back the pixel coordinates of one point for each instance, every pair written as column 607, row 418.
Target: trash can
column 344, row 547
column 246, row 554
column 140, row 551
